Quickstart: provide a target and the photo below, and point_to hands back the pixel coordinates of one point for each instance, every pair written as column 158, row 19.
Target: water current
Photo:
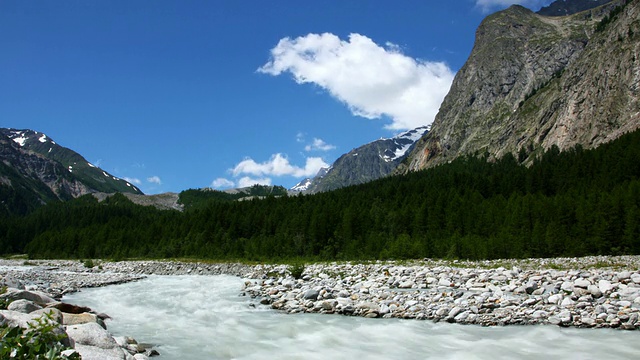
column 204, row 317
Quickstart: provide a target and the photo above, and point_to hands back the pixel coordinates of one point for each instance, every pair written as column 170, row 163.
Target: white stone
column 605, row 286
column 581, row 283
column 555, row 299
column 567, row 302
column 594, row 290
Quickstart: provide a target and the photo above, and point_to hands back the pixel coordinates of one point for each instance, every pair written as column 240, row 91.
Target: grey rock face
column 533, row 82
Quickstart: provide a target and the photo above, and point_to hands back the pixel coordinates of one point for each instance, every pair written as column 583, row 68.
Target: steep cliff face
column 533, row 82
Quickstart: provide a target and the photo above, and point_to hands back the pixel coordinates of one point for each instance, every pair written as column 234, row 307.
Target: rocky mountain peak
column 535, row 81
column 365, row 163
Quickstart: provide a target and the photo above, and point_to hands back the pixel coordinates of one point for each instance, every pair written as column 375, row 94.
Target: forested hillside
column 573, row 203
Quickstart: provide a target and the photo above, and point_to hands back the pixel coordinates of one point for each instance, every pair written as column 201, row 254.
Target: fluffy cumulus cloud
column 250, row 172
column 247, row 181
column 154, row 180
column 221, row 183
column 319, row 145
column 372, row 80
column 279, row 165
column 491, row 5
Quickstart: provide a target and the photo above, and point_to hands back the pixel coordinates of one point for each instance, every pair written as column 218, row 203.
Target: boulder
column 91, row 334
column 84, row 318
column 37, row 297
column 96, row 353
column 69, row 308
column 15, row 318
column 23, row 306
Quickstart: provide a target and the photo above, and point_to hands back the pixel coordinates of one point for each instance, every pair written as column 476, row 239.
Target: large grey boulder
column 95, row 353
column 37, row 297
column 24, row 306
column 91, row 334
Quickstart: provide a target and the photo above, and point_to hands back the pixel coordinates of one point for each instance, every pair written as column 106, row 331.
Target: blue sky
column 173, row 95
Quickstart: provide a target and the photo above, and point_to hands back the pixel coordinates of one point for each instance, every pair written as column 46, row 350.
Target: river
column 204, row 317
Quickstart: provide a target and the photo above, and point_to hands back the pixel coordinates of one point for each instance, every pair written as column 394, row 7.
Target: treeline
column 578, row 202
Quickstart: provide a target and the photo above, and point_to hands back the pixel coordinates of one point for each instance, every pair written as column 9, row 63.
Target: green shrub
column 39, row 341
column 296, row 270
column 89, row 263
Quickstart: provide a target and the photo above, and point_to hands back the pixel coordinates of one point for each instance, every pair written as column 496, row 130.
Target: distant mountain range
column 34, row 170
column 363, row 164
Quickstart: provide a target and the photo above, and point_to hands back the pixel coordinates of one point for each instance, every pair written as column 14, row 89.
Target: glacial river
column 203, row 317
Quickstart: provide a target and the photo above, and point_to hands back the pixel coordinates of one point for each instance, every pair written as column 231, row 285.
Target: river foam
column 204, row 317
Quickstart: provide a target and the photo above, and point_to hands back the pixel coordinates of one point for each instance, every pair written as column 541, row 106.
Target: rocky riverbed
column 598, row 292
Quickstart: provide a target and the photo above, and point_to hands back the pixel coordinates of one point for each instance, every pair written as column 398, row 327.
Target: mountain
column 34, row 170
column 363, row 164
column 533, row 82
column 570, row 7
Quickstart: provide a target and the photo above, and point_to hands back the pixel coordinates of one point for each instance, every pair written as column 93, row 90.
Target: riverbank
column 597, row 292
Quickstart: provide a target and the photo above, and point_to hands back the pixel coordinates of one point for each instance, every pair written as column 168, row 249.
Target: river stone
column 624, row 303
column 530, row 287
column 540, row 314
column 635, row 277
column 581, row 283
column 24, row 306
column 91, row 334
column 594, row 290
column 605, row 286
column 566, row 302
column 76, row 319
column 96, row 353
column 15, row 318
column 567, row 286
column 624, row 275
column 311, row 294
column 37, row 297
column 555, row 299
column 406, row 284
column 587, row 321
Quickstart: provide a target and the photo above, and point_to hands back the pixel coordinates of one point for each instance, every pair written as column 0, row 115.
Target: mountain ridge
column 35, row 170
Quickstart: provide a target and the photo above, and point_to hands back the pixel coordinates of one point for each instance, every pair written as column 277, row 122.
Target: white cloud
column 372, row 80
column 247, row 181
column 154, row 180
column 249, row 172
column 222, row 183
column 490, row 5
column 278, row 165
column 132, row 180
column 320, row 145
